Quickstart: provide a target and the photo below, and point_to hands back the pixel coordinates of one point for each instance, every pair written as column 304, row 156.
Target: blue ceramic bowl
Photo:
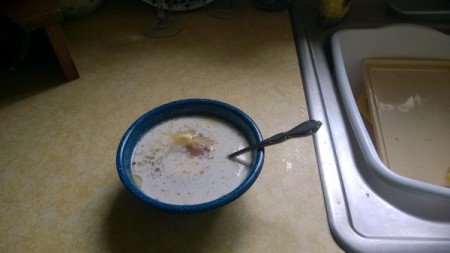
column 188, row 107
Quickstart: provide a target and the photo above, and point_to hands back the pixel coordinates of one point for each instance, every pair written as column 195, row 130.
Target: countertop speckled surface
column 59, row 189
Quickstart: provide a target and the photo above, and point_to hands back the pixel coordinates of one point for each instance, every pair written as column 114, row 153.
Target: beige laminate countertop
column 59, row 189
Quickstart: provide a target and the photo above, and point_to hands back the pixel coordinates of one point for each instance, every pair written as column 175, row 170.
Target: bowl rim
column 159, row 110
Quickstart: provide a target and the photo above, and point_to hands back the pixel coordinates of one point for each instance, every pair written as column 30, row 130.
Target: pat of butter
column 182, row 138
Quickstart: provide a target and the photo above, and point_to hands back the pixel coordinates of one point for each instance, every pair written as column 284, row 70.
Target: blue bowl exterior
column 187, row 107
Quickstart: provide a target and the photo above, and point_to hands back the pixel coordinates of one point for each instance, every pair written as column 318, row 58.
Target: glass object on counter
column 225, row 9
column 162, row 25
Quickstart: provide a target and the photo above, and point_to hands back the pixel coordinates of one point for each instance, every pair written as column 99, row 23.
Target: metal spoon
column 304, row 129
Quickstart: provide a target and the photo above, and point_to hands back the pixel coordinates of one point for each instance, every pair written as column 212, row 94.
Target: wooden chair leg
column 59, row 45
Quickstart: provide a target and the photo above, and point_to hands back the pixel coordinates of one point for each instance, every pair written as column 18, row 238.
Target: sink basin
column 369, row 207
column 405, row 41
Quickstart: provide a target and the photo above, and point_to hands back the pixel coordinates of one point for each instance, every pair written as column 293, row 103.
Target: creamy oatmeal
column 184, row 160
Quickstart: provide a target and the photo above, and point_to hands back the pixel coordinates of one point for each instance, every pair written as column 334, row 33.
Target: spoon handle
column 304, row 129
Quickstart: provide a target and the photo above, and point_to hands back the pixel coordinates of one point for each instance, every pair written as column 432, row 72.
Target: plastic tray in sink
column 410, row 111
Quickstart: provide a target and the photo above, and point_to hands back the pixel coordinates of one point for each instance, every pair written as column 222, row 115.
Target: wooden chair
column 43, row 14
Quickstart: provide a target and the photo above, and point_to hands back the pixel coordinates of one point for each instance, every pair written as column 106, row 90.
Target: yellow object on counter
column 334, row 9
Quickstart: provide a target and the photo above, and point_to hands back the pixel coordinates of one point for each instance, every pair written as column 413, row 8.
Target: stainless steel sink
column 365, row 213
